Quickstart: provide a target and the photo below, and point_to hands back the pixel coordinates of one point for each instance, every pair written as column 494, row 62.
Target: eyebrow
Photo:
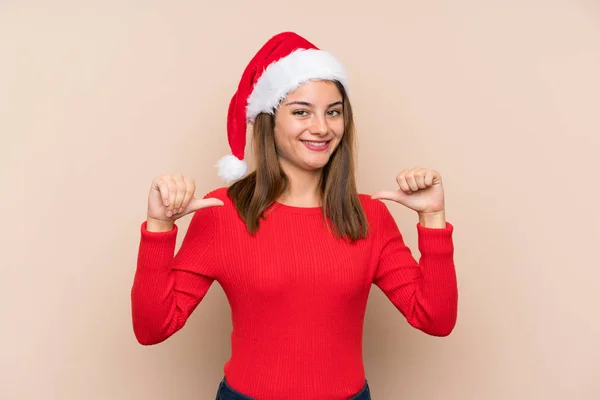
column 307, row 104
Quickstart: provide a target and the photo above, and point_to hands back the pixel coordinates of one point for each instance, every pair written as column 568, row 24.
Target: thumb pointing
column 197, row 204
column 389, row 195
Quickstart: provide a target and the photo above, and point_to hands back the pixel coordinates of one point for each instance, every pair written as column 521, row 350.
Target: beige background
column 502, row 97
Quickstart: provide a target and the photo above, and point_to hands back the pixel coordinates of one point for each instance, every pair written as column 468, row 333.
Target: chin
column 316, row 165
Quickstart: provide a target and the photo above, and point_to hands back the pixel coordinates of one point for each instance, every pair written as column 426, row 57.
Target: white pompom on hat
column 284, row 63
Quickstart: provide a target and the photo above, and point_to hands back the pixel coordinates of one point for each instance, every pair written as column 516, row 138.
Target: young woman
column 295, row 248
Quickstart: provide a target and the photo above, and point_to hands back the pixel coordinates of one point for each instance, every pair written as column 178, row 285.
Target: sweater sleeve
column 167, row 287
column 425, row 292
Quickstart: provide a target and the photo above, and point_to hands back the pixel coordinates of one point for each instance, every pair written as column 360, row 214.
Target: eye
column 300, row 113
column 334, row 113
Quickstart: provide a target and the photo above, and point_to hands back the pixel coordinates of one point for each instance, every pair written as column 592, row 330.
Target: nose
column 318, row 125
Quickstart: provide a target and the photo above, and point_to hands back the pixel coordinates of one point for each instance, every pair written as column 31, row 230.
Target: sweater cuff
column 149, row 235
column 435, row 240
column 156, row 248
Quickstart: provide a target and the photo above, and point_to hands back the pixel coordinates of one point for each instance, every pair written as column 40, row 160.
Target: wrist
column 158, row 225
column 435, row 219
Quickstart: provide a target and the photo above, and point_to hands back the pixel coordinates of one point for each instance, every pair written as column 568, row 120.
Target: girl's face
column 309, row 125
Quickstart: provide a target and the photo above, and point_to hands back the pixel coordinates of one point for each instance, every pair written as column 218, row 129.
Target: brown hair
column 341, row 206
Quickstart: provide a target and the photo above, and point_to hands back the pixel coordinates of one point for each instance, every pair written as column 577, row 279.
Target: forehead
column 316, row 91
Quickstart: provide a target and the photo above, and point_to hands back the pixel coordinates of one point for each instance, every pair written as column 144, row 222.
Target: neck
column 303, row 189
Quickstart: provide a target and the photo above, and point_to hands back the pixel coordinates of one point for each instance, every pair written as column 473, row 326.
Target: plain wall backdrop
column 501, row 97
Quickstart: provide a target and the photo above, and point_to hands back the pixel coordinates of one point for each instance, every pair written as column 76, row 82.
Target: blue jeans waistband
column 226, row 392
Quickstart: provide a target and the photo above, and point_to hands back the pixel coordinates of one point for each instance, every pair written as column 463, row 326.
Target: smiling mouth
column 316, row 145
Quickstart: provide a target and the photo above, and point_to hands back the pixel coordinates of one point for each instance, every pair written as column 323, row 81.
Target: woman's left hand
column 420, row 190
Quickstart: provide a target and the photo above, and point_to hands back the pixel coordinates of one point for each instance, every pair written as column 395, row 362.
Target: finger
column 420, row 178
column 387, row 195
column 428, row 178
column 189, row 193
column 197, row 204
column 437, row 178
column 172, row 190
column 401, row 179
column 163, row 190
column 181, row 189
column 410, row 180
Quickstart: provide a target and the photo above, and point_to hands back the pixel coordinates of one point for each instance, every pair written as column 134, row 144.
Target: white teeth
column 315, row 143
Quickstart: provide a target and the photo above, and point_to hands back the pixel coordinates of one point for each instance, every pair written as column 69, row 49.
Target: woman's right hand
column 170, row 198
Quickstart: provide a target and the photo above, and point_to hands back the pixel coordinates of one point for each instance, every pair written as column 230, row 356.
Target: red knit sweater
column 297, row 293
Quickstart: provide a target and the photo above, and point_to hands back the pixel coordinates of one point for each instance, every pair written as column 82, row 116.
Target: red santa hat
column 284, row 63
